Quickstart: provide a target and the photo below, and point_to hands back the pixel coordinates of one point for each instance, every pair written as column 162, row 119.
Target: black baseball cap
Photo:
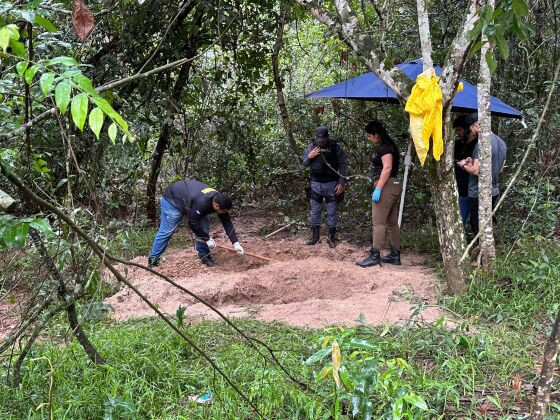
column 321, row 133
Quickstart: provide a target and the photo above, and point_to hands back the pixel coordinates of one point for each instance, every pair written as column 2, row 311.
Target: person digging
column 329, row 174
column 195, row 200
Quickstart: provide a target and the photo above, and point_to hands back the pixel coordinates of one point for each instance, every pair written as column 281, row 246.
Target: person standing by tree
column 471, row 165
column 196, row 200
column 329, row 175
column 385, row 196
column 463, row 149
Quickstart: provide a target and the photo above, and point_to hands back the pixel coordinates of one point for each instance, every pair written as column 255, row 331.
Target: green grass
column 455, row 370
column 151, row 372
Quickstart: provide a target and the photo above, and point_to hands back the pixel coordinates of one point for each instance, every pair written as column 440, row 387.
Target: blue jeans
column 464, row 208
column 169, row 220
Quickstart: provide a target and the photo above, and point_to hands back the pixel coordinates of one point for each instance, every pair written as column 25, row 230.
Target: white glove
column 211, row 243
column 239, row 248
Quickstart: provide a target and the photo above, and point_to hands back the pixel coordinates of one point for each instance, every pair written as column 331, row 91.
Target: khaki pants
column 385, row 213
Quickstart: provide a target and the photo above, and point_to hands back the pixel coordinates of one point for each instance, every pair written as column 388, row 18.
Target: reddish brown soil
column 305, row 286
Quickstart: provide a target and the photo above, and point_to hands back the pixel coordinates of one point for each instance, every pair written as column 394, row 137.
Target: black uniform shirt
column 194, row 198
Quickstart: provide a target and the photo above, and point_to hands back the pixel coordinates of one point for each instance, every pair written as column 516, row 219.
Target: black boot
column 373, row 259
column 207, row 261
column 153, row 262
column 316, row 232
column 394, row 257
column 333, row 241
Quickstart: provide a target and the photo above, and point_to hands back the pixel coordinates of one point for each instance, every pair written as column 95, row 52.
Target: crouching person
column 195, row 200
column 329, row 173
column 385, row 196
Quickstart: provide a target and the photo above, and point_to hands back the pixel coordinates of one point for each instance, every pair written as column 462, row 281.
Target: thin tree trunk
column 487, row 248
column 542, row 397
column 280, row 23
column 163, row 141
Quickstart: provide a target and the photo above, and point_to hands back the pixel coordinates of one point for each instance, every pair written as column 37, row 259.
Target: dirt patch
column 304, row 286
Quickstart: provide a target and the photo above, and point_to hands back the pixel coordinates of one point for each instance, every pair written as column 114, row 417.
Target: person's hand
column 239, row 248
column 339, row 189
column 314, row 153
column 376, row 195
column 211, row 243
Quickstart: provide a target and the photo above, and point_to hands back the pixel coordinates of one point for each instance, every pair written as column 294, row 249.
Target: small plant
column 365, row 382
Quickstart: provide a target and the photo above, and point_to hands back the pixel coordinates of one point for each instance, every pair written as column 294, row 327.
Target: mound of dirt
column 303, row 286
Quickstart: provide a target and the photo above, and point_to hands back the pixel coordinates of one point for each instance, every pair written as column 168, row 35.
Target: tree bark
column 451, row 237
column 542, row 397
column 163, row 139
column 487, row 249
column 280, row 23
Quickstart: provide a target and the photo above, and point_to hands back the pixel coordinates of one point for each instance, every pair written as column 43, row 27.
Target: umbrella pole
column 407, row 163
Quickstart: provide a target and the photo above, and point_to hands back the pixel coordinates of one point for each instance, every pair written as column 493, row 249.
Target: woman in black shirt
column 385, row 196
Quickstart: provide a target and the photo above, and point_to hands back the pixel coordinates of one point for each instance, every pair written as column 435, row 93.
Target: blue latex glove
column 376, row 195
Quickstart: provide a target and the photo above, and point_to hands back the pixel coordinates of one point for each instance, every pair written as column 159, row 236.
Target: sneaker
column 207, row 261
column 153, row 262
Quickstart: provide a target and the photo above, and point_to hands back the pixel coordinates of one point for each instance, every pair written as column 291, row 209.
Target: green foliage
column 14, row 231
column 374, row 387
column 496, row 24
column 522, row 289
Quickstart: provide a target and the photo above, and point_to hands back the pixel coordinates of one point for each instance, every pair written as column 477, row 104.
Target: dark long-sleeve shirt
column 194, row 198
column 320, row 171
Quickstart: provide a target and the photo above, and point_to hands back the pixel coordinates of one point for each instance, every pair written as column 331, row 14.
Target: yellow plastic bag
column 425, row 108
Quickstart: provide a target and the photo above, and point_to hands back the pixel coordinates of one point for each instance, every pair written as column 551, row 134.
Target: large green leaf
column 21, row 234
column 502, row 46
column 46, row 82
column 79, row 108
column 31, row 72
column 318, row 355
column 84, row 83
column 18, row 48
column 9, row 235
column 62, row 95
column 5, row 38
column 21, row 67
column 520, row 7
column 111, row 113
column 63, row 60
column 42, row 225
column 45, row 23
column 112, row 131
column 96, row 121
column 416, row 401
column 361, row 344
column 491, row 61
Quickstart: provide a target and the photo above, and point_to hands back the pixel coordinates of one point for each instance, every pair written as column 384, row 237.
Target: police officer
column 329, row 174
column 196, row 200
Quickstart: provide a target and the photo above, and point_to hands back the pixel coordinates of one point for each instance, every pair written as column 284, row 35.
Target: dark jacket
column 194, row 198
column 320, row 171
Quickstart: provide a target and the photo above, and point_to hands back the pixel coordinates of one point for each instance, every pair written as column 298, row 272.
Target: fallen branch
column 280, row 230
column 247, row 253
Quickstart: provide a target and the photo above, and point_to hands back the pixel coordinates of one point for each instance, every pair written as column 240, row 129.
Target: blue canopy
column 369, row 87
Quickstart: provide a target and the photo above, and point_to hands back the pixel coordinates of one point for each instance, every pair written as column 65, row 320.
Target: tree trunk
column 448, row 219
column 487, row 249
column 542, row 398
column 163, row 141
column 280, row 23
